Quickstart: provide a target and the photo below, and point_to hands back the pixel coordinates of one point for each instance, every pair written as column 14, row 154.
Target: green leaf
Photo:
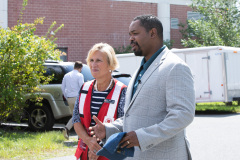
column 22, row 55
column 220, row 25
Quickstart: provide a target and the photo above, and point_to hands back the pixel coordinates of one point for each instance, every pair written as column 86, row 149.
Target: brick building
column 87, row 22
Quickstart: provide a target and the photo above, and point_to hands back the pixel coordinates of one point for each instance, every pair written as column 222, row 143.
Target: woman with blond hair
column 103, row 97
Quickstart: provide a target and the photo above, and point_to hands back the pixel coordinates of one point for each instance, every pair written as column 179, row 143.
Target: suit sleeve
column 115, row 127
column 180, row 100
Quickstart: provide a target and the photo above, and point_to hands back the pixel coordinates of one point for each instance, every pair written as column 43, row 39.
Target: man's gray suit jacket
column 160, row 110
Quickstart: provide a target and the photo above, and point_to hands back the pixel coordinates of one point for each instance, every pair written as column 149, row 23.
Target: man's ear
column 153, row 32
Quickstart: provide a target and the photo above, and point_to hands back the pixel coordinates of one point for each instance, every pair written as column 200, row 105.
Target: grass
column 20, row 145
column 24, row 145
column 217, row 108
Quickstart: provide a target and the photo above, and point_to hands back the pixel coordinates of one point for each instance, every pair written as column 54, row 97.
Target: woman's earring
column 110, row 70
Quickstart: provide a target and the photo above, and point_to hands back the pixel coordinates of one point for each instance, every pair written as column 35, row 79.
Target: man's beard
column 139, row 51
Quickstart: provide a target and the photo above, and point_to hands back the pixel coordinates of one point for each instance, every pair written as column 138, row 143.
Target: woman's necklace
column 107, row 87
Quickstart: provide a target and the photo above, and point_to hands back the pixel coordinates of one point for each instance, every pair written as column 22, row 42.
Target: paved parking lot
column 212, row 137
column 215, row 137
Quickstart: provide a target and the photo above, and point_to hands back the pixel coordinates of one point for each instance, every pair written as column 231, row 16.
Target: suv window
column 57, row 71
column 67, row 68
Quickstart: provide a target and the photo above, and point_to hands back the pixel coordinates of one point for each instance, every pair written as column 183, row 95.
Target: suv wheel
column 40, row 118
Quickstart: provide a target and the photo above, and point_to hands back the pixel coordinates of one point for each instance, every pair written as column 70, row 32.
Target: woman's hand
column 92, row 155
column 93, row 147
column 91, row 142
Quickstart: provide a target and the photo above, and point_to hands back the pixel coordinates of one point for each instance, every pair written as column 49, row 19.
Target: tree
column 22, row 55
column 123, row 49
column 219, row 25
column 168, row 43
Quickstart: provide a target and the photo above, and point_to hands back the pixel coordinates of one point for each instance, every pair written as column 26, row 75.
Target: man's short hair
column 78, row 65
column 150, row 21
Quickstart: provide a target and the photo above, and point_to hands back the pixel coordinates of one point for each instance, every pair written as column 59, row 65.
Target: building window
column 194, row 15
column 64, row 52
column 174, row 23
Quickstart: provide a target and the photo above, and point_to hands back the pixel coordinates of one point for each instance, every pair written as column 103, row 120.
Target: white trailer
column 216, row 72
column 128, row 62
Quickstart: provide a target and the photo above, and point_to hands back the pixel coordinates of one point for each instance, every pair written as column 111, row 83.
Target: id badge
column 109, row 101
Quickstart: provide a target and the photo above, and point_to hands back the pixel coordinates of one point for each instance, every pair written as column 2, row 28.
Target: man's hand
column 130, row 140
column 98, row 130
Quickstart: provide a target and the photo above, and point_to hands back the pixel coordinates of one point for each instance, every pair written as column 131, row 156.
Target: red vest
column 106, row 114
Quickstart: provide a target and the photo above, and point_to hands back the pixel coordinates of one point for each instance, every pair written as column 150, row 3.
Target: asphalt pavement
column 215, row 137
column 211, row 137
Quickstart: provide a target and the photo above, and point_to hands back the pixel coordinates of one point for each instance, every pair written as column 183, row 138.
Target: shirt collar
column 74, row 70
column 145, row 64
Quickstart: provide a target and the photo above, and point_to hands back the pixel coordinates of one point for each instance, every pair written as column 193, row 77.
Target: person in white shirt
column 71, row 84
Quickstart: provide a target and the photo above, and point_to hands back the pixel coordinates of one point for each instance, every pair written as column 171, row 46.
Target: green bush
column 22, row 54
column 168, row 43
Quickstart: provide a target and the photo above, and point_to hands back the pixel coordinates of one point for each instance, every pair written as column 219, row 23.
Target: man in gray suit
column 160, row 100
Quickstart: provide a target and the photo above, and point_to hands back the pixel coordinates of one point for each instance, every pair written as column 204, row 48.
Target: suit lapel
column 130, row 88
column 155, row 64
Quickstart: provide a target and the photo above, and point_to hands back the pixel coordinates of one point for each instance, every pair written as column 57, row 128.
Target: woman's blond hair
column 108, row 50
